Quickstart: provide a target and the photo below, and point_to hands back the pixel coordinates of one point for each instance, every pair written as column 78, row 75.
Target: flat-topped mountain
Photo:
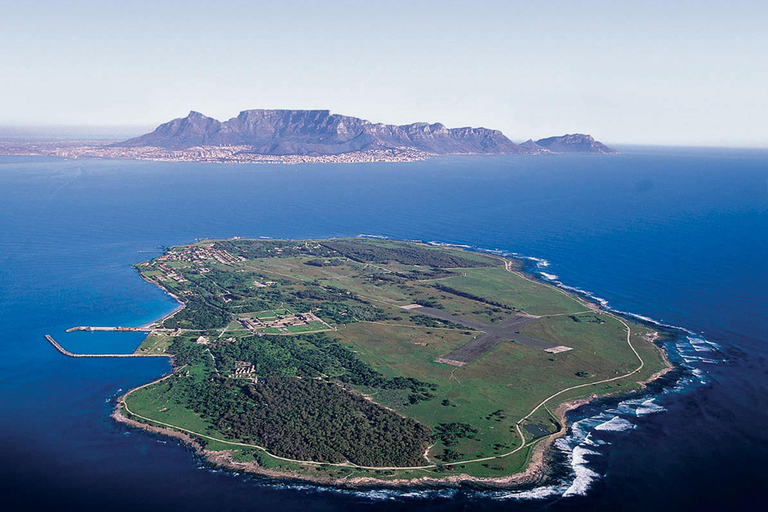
column 318, row 132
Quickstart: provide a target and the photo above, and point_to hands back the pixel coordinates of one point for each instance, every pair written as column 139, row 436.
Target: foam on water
column 584, row 476
column 538, row 493
column 615, row 424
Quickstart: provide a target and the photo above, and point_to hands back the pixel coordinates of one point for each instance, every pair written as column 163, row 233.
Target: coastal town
column 203, row 154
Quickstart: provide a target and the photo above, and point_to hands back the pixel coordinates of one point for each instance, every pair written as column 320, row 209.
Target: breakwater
column 70, row 354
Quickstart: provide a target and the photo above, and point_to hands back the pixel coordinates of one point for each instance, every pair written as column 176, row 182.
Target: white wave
column 591, row 441
column 584, row 476
column 702, row 345
column 615, row 424
column 370, row 494
column 551, row 277
column 539, row 493
column 380, row 237
column 446, row 244
column 649, row 407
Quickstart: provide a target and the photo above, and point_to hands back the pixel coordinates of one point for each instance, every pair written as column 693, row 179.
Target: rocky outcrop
column 574, row 143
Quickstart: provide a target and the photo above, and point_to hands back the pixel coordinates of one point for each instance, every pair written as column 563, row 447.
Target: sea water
column 675, row 236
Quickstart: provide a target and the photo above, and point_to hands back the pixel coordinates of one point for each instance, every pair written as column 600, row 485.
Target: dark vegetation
column 471, row 296
column 299, row 407
column 198, row 314
column 430, row 321
column 308, row 419
column 254, row 249
column 451, row 433
column 186, row 353
column 419, row 274
column 407, row 255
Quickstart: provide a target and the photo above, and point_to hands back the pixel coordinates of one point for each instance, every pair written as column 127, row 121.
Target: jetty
column 70, row 354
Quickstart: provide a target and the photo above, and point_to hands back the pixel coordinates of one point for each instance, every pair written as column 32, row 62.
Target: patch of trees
column 450, row 433
column 275, row 355
column 594, row 319
column 411, row 275
column 254, row 249
column 497, row 415
column 365, row 251
column 325, row 293
column 471, row 296
column 420, row 274
column 186, row 352
column 450, row 455
column 247, row 305
column 312, row 356
column 198, row 314
column 360, row 373
column 428, row 321
column 429, row 303
column 344, row 313
column 309, row 419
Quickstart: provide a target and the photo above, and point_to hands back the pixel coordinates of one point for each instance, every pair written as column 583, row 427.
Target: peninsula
column 305, row 136
column 360, row 361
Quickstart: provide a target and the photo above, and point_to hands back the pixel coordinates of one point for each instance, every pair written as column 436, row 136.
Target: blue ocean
column 675, row 236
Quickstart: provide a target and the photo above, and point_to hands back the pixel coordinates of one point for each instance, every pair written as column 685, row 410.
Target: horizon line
column 119, row 132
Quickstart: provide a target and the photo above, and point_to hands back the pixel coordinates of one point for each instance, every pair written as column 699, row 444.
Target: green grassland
column 381, row 357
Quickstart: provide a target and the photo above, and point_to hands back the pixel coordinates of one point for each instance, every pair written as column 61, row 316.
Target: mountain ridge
column 318, row 132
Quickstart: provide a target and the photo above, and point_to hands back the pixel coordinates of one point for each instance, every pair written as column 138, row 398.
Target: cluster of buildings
column 216, row 154
column 245, row 370
column 200, row 254
column 253, row 323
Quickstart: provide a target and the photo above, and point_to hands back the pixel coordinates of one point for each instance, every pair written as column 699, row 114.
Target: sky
column 640, row 72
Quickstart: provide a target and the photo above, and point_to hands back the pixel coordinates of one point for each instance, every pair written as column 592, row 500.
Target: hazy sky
column 672, row 72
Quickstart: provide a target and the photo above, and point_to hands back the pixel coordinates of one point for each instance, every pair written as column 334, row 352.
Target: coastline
column 179, row 306
column 536, row 470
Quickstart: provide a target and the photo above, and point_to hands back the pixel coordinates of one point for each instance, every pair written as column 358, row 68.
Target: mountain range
column 318, row 132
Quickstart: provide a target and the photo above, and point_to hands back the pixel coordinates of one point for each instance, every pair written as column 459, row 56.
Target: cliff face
column 318, row 132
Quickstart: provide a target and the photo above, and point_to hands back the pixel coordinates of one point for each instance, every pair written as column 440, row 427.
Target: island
column 302, row 136
column 358, row 362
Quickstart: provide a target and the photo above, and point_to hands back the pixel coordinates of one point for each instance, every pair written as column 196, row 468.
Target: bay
column 675, row 235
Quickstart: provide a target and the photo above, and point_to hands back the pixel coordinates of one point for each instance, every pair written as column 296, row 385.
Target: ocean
column 677, row 236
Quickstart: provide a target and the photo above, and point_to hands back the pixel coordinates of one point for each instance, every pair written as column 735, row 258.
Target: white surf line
column 430, row 466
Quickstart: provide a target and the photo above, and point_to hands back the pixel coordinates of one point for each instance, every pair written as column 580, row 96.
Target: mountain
column 574, row 143
column 318, row 132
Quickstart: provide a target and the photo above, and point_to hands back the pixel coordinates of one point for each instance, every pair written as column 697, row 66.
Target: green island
column 362, row 361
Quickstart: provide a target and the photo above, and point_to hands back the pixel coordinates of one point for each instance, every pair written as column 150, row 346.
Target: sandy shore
column 159, row 322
